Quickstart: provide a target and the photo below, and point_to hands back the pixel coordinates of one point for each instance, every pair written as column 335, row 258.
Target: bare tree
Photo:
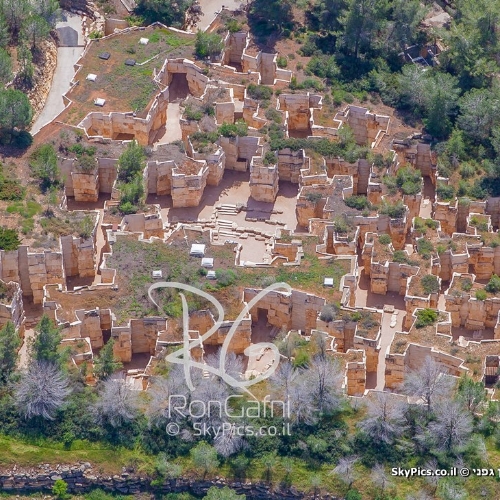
column 41, row 391
column 385, row 420
column 429, row 383
column 345, row 470
column 433, row 481
column 233, row 365
column 452, row 428
column 380, row 477
column 323, row 380
column 228, row 441
column 450, row 491
column 117, row 403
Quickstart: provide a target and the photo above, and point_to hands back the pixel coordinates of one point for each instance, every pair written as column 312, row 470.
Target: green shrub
column 191, row 113
column 208, row 44
column 426, row 317
column 8, row 239
column 431, row 223
column 301, row 359
column 353, row 495
column 384, row 239
column 493, row 285
column 467, row 171
column 323, row 66
column 341, row 226
column 43, row 163
column 282, row 62
column 269, row 158
column 466, row 285
column 131, row 162
column 60, row 488
column 259, row 92
column 313, row 197
column 424, row 248
column 400, row 257
column 481, row 295
column 445, row 192
column 273, row 115
column 225, row 277
column 328, row 313
column 396, row 211
column 10, row 189
column 233, row 129
column 233, row 26
column 430, row 284
column 407, row 179
column 358, row 202
column 86, row 164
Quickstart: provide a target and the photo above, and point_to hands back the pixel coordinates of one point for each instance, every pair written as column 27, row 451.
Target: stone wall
column 112, row 125
column 356, row 372
column 290, row 163
column 239, row 151
column 263, row 181
column 293, row 311
column 467, row 311
column 147, row 224
column 83, row 477
column 187, row 189
column 79, row 256
column 159, row 177
column 368, row 128
column 13, row 311
column 31, row 270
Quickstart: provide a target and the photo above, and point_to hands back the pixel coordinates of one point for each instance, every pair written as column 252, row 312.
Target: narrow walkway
column 100, row 242
column 23, row 356
column 365, row 298
column 427, row 199
column 71, row 44
column 173, row 130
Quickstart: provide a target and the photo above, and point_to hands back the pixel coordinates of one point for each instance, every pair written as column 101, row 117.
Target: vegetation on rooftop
column 426, row 317
column 407, row 179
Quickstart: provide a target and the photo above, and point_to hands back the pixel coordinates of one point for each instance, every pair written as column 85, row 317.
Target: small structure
column 91, row 77
column 157, row 274
column 207, row 262
column 211, row 275
column 197, row 250
column 328, row 282
column 100, row 101
column 144, row 41
column 104, row 55
column 129, row 62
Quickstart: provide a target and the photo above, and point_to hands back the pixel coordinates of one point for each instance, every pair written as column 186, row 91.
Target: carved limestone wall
column 263, row 180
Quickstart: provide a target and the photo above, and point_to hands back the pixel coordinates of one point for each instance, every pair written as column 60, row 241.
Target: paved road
column 70, row 49
column 210, row 7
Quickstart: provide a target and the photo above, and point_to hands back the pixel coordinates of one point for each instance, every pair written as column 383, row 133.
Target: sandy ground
column 70, row 49
column 211, row 8
column 173, row 130
column 235, row 188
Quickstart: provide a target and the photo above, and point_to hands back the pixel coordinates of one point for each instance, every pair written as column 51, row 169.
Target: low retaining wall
column 81, row 478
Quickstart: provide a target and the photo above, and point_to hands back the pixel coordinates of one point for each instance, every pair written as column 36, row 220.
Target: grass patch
column 126, row 88
column 23, row 453
column 137, row 260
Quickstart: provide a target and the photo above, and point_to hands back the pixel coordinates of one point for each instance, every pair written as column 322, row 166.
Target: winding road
column 70, row 48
